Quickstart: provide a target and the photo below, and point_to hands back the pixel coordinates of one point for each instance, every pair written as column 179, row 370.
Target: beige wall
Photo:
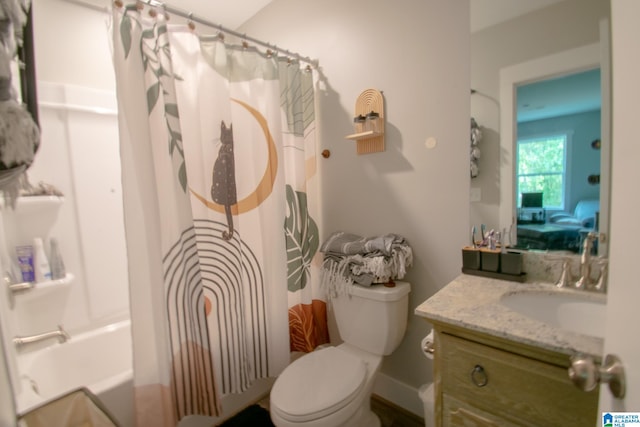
column 563, row 26
column 417, row 53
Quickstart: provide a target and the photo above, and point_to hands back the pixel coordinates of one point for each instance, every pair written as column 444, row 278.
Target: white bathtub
column 99, row 360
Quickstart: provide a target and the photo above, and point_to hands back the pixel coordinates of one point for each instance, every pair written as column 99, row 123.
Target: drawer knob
column 479, row 376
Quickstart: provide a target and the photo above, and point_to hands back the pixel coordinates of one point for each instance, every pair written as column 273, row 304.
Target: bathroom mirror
column 520, row 59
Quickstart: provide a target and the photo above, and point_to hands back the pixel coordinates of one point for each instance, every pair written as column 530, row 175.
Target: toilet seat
column 318, row 384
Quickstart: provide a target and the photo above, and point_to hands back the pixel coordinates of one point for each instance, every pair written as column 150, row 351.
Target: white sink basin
column 571, row 312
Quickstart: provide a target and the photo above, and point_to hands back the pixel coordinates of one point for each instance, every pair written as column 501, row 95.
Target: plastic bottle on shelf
column 25, row 261
column 55, row 260
column 40, row 262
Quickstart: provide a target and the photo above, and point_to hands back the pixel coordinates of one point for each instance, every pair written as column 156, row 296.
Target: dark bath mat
column 253, row 416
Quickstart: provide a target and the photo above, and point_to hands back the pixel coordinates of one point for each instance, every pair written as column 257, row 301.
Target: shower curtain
column 218, row 156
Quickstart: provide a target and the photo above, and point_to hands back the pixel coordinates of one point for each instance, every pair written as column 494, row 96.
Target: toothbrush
column 473, row 237
column 511, row 239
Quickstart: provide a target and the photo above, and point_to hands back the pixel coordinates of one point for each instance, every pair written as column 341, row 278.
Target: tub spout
column 59, row 333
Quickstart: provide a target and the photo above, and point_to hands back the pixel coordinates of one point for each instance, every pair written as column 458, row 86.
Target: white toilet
column 332, row 387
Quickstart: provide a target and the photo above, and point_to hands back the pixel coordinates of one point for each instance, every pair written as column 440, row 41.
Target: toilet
column 332, row 387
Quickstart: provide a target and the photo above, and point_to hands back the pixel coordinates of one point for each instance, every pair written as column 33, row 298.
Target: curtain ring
column 190, row 23
column 220, row 36
column 139, row 6
column 153, row 12
column 119, row 4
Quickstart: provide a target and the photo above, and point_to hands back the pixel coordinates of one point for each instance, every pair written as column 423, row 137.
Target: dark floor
column 390, row 415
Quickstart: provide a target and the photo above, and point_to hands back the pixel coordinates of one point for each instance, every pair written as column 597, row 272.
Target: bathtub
column 99, row 360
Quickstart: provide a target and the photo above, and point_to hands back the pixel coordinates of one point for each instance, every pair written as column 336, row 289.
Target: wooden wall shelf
column 369, row 141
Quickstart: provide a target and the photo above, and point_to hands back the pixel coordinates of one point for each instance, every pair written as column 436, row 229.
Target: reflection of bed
column 585, row 215
column 549, row 236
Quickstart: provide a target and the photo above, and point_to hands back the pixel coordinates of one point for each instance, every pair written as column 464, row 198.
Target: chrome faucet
column 59, row 333
column 585, row 281
column 566, row 278
column 601, row 284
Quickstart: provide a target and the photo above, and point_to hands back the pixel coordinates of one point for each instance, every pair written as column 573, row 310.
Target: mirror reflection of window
column 557, row 120
column 541, row 168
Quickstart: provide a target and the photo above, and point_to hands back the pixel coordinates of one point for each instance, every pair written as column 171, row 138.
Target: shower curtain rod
column 191, row 17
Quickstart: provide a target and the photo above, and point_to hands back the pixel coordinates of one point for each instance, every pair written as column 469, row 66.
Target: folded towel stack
column 352, row 259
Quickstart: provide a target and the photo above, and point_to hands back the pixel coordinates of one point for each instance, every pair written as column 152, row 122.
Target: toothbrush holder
column 511, row 263
column 490, row 259
column 471, row 258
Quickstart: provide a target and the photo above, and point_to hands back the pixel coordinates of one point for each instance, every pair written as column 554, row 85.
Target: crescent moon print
column 265, row 186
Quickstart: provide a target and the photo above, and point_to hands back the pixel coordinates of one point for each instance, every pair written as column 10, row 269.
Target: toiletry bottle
column 55, row 260
column 25, row 261
column 40, row 262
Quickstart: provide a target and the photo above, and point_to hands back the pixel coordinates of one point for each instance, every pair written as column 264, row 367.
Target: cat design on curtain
column 223, row 185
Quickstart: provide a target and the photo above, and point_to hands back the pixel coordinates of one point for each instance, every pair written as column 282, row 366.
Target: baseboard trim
column 398, row 393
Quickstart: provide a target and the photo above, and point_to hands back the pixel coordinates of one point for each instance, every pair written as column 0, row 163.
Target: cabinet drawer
column 459, row 414
column 513, row 387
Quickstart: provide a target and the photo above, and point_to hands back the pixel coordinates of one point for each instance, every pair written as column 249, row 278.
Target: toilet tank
column 373, row 318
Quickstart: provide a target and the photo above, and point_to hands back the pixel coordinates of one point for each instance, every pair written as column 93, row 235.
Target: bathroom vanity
column 495, row 366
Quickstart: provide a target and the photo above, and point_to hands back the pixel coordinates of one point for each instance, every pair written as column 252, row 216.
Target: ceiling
column 230, row 14
column 484, row 13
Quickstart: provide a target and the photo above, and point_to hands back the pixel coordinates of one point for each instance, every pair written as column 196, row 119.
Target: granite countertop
column 473, row 302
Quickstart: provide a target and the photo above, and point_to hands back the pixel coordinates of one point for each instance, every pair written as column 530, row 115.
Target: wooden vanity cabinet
column 482, row 381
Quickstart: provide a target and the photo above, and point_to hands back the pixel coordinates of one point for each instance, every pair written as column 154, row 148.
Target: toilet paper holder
column 428, row 346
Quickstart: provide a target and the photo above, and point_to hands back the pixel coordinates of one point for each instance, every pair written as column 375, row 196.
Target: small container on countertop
column 471, row 258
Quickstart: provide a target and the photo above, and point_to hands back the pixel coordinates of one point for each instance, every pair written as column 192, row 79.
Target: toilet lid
column 318, row 384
